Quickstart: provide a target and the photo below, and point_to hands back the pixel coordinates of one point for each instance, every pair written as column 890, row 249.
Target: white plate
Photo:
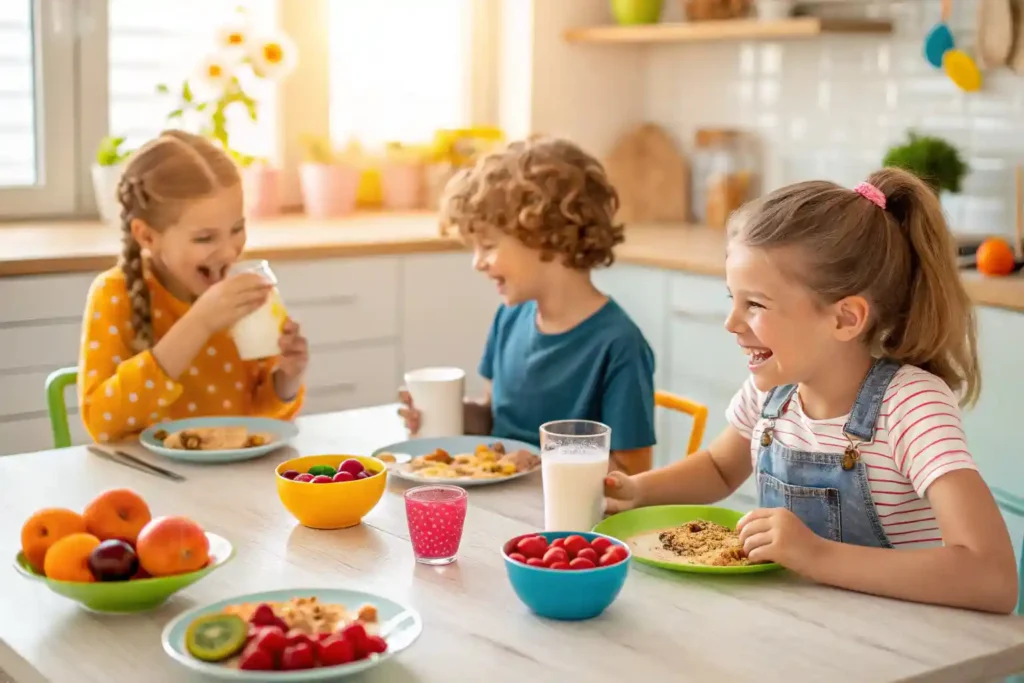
column 454, row 445
column 283, row 433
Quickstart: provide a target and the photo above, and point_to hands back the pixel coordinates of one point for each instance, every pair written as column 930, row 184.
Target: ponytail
column 935, row 327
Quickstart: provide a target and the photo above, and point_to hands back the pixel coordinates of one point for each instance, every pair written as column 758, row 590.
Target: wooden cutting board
column 995, row 33
column 651, row 175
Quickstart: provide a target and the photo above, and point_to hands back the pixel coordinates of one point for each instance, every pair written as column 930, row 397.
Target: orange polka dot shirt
column 121, row 393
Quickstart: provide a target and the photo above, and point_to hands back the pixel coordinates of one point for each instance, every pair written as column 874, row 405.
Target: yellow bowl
column 330, row 506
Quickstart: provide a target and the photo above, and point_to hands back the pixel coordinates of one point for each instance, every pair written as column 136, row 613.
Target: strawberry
column 336, row 650
column 376, row 645
column 271, row 639
column 255, row 659
column 263, row 616
column 296, row 637
column 355, row 633
column 297, row 657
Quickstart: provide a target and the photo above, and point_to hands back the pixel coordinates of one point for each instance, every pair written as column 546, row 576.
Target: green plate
column 138, row 595
column 625, row 525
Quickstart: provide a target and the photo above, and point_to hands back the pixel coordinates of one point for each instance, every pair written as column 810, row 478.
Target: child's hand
column 621, row 492
column 294, row 351
column 408, row 413
column 230, row 300
column 778, row 535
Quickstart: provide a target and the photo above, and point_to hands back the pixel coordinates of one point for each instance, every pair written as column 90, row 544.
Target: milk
column 573, row 481
column 257, row 334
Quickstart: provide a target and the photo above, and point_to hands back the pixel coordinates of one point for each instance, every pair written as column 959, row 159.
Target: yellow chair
column 697, row 412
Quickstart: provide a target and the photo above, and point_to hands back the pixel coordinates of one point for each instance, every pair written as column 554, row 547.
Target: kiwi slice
column 215, row 637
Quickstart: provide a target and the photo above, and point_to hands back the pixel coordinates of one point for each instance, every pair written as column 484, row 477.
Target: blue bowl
column 567, row 595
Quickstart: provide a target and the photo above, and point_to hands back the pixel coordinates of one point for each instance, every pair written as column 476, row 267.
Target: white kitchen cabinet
column 447, row 310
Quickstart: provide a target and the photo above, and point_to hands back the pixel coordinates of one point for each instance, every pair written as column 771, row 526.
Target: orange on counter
column 995, row 257
column 46, row 527
column 117, row 514
column 172, row 545
column 68, row 558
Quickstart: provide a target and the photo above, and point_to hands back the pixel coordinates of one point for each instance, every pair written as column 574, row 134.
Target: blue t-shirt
column 602, row 369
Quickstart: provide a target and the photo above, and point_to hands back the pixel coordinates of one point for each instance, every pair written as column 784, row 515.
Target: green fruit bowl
column 137, row 595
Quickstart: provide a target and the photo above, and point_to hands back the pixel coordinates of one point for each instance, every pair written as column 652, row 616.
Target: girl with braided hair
column 155, row 343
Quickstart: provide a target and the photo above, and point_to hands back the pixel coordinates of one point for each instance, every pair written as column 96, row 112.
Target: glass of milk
column 257, row 334
column 574, row 464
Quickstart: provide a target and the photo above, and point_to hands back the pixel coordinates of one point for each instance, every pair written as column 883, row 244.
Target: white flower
column 233, row 38
column 273, row 57
column 213, row 74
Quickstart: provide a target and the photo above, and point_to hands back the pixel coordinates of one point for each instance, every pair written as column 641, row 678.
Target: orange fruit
column 46, row 527
column 68, row 558
column 995, row 257
column 172, row 545
column 117, row 514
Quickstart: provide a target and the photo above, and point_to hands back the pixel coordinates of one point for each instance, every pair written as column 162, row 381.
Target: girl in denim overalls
column 860, row 339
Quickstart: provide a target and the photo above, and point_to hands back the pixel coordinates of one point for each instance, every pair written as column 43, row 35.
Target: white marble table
column 664, row 627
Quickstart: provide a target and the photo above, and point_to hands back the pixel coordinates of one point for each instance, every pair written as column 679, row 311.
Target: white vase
column 104, row 185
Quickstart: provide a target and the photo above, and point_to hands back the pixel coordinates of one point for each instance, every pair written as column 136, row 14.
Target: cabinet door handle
column 699, row 316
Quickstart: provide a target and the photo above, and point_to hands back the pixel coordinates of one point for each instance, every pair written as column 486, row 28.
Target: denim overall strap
column 861, row 424
column 776, row 400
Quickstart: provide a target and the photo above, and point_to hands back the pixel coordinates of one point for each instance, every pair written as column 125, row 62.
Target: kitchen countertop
column 39, row 248
column 769, row 628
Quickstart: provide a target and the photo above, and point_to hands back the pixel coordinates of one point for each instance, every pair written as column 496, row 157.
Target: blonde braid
column 132, row 197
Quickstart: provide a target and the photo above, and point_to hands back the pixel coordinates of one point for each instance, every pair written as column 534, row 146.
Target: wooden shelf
column 734, row 29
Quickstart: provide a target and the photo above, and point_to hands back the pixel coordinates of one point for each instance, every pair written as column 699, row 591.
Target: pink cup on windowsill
column 436, row 515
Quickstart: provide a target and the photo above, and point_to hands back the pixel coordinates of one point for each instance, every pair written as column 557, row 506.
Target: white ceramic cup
column 437, row 393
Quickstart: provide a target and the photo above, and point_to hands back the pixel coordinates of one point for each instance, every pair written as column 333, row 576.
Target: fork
column 128, row 460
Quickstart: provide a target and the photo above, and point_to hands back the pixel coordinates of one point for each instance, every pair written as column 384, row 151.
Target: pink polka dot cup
column 436, row 514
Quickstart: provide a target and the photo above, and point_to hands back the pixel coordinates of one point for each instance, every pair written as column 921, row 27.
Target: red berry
column 555, row 555
column 355, row 633
column 321, row 479
column 558, row 543
column 271, row 639
column 336, row 650
column 536, row 562
column 574, row 544
column 255, row 659
column 600, row 545
column 343, row 476
column 375, row 645
column 559, row 565
column 263, row 616
column 581, row 563
column 588, row 553
column 297, row 657
column 532, row 546
column 518, row 557
column 296, row 637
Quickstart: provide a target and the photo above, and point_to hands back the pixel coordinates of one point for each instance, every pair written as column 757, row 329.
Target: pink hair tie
column 871, row 193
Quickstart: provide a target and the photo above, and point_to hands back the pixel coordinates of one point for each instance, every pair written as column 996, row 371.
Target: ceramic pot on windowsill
column 104, row 185
column 402, row 185
column 329, row 190
column 261, row 184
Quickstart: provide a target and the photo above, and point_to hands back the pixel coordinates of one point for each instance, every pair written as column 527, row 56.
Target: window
column 36, row 122
column 75, row 71
column 400, row 69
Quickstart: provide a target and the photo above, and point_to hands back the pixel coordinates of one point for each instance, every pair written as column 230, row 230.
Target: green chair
column 56, row 383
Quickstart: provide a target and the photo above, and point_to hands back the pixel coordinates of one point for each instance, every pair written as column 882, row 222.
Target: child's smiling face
column 789, row 335
column 195, row 253
column 516, row 269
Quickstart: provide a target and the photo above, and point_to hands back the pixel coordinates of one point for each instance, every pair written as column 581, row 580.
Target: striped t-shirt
column 918, row 438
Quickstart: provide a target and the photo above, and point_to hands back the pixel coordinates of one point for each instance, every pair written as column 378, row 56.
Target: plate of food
column 309, row 634
column 218, row 439
column 684, row 538
column 462, row 460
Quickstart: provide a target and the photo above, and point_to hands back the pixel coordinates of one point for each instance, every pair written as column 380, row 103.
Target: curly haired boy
column 539, row 215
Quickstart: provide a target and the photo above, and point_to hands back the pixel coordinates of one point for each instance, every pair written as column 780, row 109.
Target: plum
column 289, row 474
column 352, row 466
column 113, row 560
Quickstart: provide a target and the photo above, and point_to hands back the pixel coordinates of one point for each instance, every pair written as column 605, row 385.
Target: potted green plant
column 222, row 84
column 106, row 174
column 932, row 159
column 329, row 181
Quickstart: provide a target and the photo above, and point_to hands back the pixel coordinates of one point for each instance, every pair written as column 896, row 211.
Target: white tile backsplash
column 829, row 107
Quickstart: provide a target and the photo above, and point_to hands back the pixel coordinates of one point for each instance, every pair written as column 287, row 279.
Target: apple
column 304, row 478
column 352, row 466
column 343, row 476
column 113, row 560
column 321, row 479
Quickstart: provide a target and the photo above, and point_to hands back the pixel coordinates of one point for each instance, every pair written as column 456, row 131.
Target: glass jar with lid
column 723, row 175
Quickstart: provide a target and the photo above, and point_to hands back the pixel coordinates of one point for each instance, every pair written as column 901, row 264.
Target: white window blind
column 17, row 95
column 399, row 69
column 158, row 41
